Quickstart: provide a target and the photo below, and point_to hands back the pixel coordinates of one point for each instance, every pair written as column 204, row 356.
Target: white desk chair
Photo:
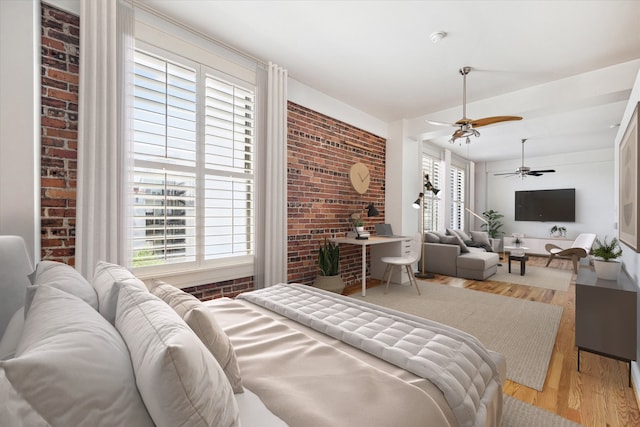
column 406, row 261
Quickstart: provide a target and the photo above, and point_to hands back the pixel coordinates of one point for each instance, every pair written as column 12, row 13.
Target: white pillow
column 202, row 321
column 63, row 277
column 179, row 380
column 73, row 367
column 11, row 337
column 104, row 282
column 14, row 410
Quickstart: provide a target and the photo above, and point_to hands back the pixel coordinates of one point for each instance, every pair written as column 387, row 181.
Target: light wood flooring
column 598, row 395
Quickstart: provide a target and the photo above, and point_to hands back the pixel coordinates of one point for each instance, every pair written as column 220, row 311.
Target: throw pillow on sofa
column 179, row 380
column 63, row 277
column 455, row 240
column 106, row 277
column 72, row 366
column 430, row 237
column 202, row 321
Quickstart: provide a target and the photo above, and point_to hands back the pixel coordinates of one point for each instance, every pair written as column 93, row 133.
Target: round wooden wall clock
column 360, row 177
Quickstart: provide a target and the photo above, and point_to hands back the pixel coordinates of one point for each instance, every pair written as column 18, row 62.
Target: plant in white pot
column 329, row 264
column 605, row 253
column 358, row 223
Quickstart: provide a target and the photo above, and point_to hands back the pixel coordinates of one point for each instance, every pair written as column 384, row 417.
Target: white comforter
column 457, row 363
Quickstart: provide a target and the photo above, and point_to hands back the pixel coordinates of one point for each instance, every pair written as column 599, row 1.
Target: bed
column 310, row 371
column 116, row 351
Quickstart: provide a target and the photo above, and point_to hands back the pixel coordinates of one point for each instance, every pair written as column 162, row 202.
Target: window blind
column 193, row 163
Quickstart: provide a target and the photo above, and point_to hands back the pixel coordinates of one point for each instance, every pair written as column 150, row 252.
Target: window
column 457, row 194
column 431, row 167
column 194, row 154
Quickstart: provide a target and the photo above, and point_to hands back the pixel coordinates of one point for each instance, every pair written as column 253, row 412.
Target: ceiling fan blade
column 505, row 173
column 432, row 122
column 491, row 120
column 544, row 171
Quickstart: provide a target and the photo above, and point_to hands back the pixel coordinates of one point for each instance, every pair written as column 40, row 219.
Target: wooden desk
column 373, row 240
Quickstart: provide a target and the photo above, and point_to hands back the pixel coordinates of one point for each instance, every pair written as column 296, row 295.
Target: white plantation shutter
column 193, row 147
column 432, row 214
column 457, row 195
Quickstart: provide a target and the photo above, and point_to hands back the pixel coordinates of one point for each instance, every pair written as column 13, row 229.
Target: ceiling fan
column 523, row 170
column 466, row 127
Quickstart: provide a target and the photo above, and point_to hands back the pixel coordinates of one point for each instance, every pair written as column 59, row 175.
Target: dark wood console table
column 606, row 316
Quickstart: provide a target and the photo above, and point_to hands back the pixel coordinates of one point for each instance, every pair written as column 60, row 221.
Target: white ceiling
column 566, row 67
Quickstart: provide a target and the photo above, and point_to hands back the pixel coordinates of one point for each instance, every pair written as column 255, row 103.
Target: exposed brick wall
column 321, row 151
column 59, row 133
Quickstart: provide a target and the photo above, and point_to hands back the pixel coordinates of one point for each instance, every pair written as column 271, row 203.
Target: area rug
column 519, row 414
column 523, row 331
column 540, row 277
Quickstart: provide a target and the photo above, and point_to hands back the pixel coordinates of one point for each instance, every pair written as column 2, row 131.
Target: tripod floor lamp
column 419, row 204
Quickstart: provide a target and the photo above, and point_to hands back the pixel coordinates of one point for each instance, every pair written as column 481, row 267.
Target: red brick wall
column 59, row 133
column 321, row 150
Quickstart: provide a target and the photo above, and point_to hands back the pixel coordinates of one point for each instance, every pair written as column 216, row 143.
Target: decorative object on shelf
column 558, row 231
column 360, row 177
column 629, row 191
column 606, row 252
column 517, row 242
column 329, row 264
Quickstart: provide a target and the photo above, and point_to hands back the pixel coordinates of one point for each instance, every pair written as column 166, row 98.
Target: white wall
column 630, row 258
column 591, row 173
column 20, row 121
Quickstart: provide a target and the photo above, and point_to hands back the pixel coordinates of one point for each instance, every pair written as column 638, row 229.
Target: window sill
column 185, row 278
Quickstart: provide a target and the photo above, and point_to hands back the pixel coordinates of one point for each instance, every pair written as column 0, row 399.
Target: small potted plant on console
column 605, row 253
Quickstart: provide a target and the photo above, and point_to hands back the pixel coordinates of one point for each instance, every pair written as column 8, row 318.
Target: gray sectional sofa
column 447, row 253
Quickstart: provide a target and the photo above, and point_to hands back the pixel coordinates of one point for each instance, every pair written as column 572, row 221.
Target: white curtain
column 271, row 263
column 106, row 58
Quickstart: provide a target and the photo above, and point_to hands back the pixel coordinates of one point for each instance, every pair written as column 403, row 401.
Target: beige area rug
column 523, row 331
column 540, row 277
column 519, row 414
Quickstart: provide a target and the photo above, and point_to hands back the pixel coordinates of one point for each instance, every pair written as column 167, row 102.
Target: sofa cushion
column 460, row 233
column 431, row 237
column 455, row 240
column 73, row 367
column 166, row 353
column 106, row 277
column 478, row 260
column 202, row 321
column 480, row 237
column 63, row 277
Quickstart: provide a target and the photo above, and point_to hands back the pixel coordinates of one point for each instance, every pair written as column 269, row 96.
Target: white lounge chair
column 579, row 249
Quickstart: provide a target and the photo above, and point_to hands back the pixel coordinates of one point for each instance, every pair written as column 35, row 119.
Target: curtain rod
column 149, row 9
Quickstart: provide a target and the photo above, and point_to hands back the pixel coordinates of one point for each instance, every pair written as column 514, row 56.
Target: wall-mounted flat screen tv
column 546, row 205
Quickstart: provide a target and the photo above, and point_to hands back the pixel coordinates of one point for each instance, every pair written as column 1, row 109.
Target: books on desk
column 354, row 235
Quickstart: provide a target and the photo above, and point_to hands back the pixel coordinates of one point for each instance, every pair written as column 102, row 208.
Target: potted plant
column 358, row 223
column 605, row 253
column 558, row 231
column 329, row 264
column 517, row 242
column 493, row 225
